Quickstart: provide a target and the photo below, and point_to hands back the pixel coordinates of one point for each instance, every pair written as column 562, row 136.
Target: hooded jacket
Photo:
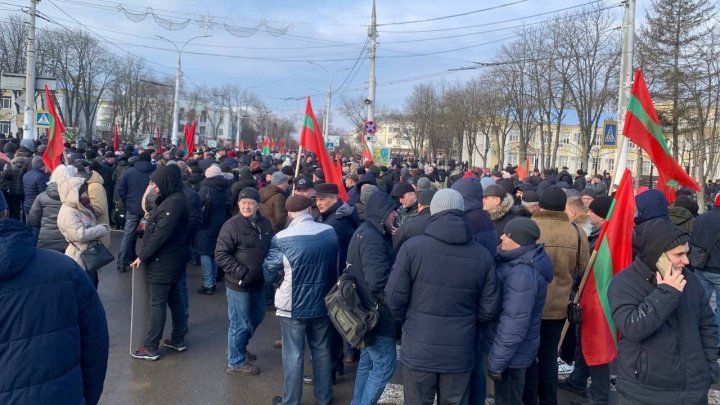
column 682, row 218
column 133, row 185
column 76, row 222
column 371, row 256
column 705, row 235
column 502, row 214
column 54, row 330
column 667, row 352
column 523, row 277
column 344, row 220
column 412, row 227
column 216, row 189
column 482, row 226
column 649, row 205
column 272, row 206
column 34, row 182
column 43, row 215
column 163, row 249
column 442, row 284
column 99, row 203
column 12, row 176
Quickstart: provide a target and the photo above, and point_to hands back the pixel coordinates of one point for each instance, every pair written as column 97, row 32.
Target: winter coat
column 441, row 286
column 43, row 215
column 272, row 206
column 481, row 225
column 306, row 252
column 371, row 256
column 412, row 227
column 133, row 185
column 344, row 220
column 195, row 216
column 241, row 248
column 217, row 189
column 54, row 335
column 99, row 203
column 545, row 183
column 12, row 176
column 580, row 183
column 523, row 275
column 76, row 222
column 34, row 182
column 650, row 205
column 163, row 248
column 560, row 238
column 117, row 176
column 682, row 218
column 566, row 177
column 502, row 214
column 667, row 351
column 705, row 234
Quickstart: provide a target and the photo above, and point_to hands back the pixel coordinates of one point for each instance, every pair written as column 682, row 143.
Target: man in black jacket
column 705, row 236
column 241, row 247
column 416, row 225
column 667, row 353
column 164, row 253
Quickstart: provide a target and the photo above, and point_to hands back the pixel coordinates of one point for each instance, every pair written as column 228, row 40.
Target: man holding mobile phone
column 667, row 351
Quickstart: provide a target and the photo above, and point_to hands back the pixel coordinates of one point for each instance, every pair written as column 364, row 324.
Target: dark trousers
column 93, row 276
column 14, row 203
column 163, row 295
column 541, row 377
column 599, row 390
column 336, row 350
column 509, row 391
column 419, row 388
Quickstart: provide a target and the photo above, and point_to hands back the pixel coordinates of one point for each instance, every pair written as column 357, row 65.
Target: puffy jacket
column 12, row 176
column 163, row 248
column 272, row 206
column 76, row 222
column 667, row 352
column 99, row 203
column 705, row 234
column 43, row 215
column 217, row 190
column 34, row 182
column 306, row 252
column 54, row 335
column 442, row 284
column 482, row 226
column 560, row 238
column 371, row 256
column 344, row 220
column 523, row 275
column 133, row 185
column 241, row 248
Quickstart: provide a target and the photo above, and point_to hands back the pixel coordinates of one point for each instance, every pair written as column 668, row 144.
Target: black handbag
column 574, row 310
column 95, row 256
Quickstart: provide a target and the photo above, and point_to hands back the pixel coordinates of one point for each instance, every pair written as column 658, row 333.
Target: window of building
column 5, row 103
column 610, row 164
column 220, row 131
column 562, row 161
column 203, row 116
column 645, row 169
column 395, row 130
column 576, row 138
column 202, row 129
column 564, row 138
column 512, row 159
column 514, row 135
column 630, row 164
column 4, row 127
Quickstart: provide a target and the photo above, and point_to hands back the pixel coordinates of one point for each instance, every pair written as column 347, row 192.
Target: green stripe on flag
column 309, row 123
column 603, row 269
column 636, row 108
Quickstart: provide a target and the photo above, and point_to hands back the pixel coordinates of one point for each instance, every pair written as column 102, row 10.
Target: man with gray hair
column 453, row 301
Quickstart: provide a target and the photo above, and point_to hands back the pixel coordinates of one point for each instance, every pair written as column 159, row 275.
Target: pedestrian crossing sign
column 42, row 119
column 609, row 134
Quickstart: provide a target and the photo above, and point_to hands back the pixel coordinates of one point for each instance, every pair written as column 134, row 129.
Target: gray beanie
column 424, row 184
column 446, row 199
column 37, row 162
column 366, row 191
column 278, row 178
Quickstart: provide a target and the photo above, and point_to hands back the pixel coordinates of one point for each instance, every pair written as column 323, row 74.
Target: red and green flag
column 523, row 169
column 643, row 128
column 187, row 143
column 116, row 139
column 55, row 147
column 312, row 140
column 265, row 146
column 367, row 154
column 613, row 253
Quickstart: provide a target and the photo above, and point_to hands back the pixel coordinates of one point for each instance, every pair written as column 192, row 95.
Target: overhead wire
column 453, row 15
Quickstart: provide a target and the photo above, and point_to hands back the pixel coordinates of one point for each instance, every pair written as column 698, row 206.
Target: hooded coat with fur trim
column 502, row 214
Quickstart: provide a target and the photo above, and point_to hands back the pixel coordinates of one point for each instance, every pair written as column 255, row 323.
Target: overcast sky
column 275, row 39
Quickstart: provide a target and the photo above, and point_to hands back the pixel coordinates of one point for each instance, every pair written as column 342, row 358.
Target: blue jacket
column 218, row 190
column 523, row 275
column 483, row 230
column 133, row 185
column 34, row 183
column 54, row 336
column 441, row 286
column 306, row 252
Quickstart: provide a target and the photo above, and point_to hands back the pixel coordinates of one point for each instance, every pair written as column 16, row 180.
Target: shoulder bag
column 95, row 256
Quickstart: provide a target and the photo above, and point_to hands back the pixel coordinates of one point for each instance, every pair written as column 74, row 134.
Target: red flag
column 242, row 145
column 311, row 138
column 281, row 147
column 55, row 148
column 189, row 139
column 116, row 139
column 272, row 145
column 643, row 128
column 614, row 253
column 523, row 171
column 338, row 163
column 367, row 154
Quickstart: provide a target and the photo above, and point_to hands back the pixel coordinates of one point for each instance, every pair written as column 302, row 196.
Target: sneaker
column 180, row 347
column 145, row 354
column 308, row 379
column 247, row 368
column 564, row 369
column 249, row 356
column 277, row 400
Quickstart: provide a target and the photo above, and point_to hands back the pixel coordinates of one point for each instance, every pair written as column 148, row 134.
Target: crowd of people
column 470, row 270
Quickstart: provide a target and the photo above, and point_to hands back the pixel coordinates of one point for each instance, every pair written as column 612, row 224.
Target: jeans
column 541, row 377
column 711, row 283
column 182, row 285
column 376, row 367
column 127, row 246
column 294, row 332
column 420, row 387
column 209, row 270
column 163, row 295
column 478, row 388
column 246, row 311
column 599, row 390
column 509, row 391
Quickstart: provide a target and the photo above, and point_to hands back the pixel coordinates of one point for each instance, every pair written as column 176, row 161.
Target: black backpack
column 353, row 320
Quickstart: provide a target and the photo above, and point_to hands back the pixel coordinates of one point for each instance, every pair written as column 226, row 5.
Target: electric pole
column 29, row 116
column 626, row 71
column 372, row 33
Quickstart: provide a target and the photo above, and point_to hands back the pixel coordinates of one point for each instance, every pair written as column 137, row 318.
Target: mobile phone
column 663, row 265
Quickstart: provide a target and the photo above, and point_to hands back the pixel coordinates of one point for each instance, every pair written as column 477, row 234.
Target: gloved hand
column 497, row 377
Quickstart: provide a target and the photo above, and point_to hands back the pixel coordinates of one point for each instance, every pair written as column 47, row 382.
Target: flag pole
column 589, row 266
column 626, row 70
column 297, row 167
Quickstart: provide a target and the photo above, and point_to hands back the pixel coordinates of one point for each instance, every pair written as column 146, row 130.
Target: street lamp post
column 328, row 99
column 178, row 75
